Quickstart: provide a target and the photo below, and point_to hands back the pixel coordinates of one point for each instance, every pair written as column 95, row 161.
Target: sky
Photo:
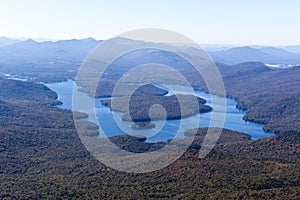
column 245, row 22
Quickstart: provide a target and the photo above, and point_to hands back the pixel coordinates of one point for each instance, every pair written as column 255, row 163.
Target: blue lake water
column 112, row 124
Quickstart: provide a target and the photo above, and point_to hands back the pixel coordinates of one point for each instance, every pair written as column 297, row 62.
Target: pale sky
column 260, row 22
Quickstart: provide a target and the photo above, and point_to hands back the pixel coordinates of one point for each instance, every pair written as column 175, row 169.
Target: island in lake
column 143, row 125
column 147, row 108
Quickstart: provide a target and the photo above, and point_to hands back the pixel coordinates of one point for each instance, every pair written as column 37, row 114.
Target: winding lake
column 112, row 124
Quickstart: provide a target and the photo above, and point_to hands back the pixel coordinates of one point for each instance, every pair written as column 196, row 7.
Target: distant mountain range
column 31, row 51
column 4, row 41
column 267, row 55
column 34, row 59
column 61, row 59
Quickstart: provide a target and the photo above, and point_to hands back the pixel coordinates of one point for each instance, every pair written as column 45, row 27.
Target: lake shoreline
column 256, row 133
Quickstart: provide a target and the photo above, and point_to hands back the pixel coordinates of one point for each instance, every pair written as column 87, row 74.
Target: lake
column 112, row 124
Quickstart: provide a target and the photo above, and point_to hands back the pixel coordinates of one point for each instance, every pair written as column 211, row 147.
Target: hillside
column 269, row 96
column 42, row 157
column 27, row 92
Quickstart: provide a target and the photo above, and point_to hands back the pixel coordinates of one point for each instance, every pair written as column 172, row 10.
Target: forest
column 269, row 96
column 174, row 107
column 42, row 157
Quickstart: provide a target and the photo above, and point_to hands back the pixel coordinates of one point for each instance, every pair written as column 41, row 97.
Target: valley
column 42, row 155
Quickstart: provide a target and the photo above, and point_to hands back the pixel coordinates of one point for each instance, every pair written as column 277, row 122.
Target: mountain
column 238, row 55
column 50, row 61
column 4, row 41
column 218, row 47
column 30, row 51
column 280, row 53
column 293, row 49
column 267, row 55
column 58, row 59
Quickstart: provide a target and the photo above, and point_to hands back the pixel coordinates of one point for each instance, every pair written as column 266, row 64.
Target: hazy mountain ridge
column 4, row 41
column 31, row 51
column 267, row 55
column 293, row 49
column 35, row 60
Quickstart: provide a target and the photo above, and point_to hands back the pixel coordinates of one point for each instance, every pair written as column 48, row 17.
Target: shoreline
column 254, row 136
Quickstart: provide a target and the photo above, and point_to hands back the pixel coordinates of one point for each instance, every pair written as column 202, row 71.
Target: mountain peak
column 30, row 41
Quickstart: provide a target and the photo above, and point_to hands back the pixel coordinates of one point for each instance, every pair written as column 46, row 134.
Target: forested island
column 142, row 125
column 172, row 107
